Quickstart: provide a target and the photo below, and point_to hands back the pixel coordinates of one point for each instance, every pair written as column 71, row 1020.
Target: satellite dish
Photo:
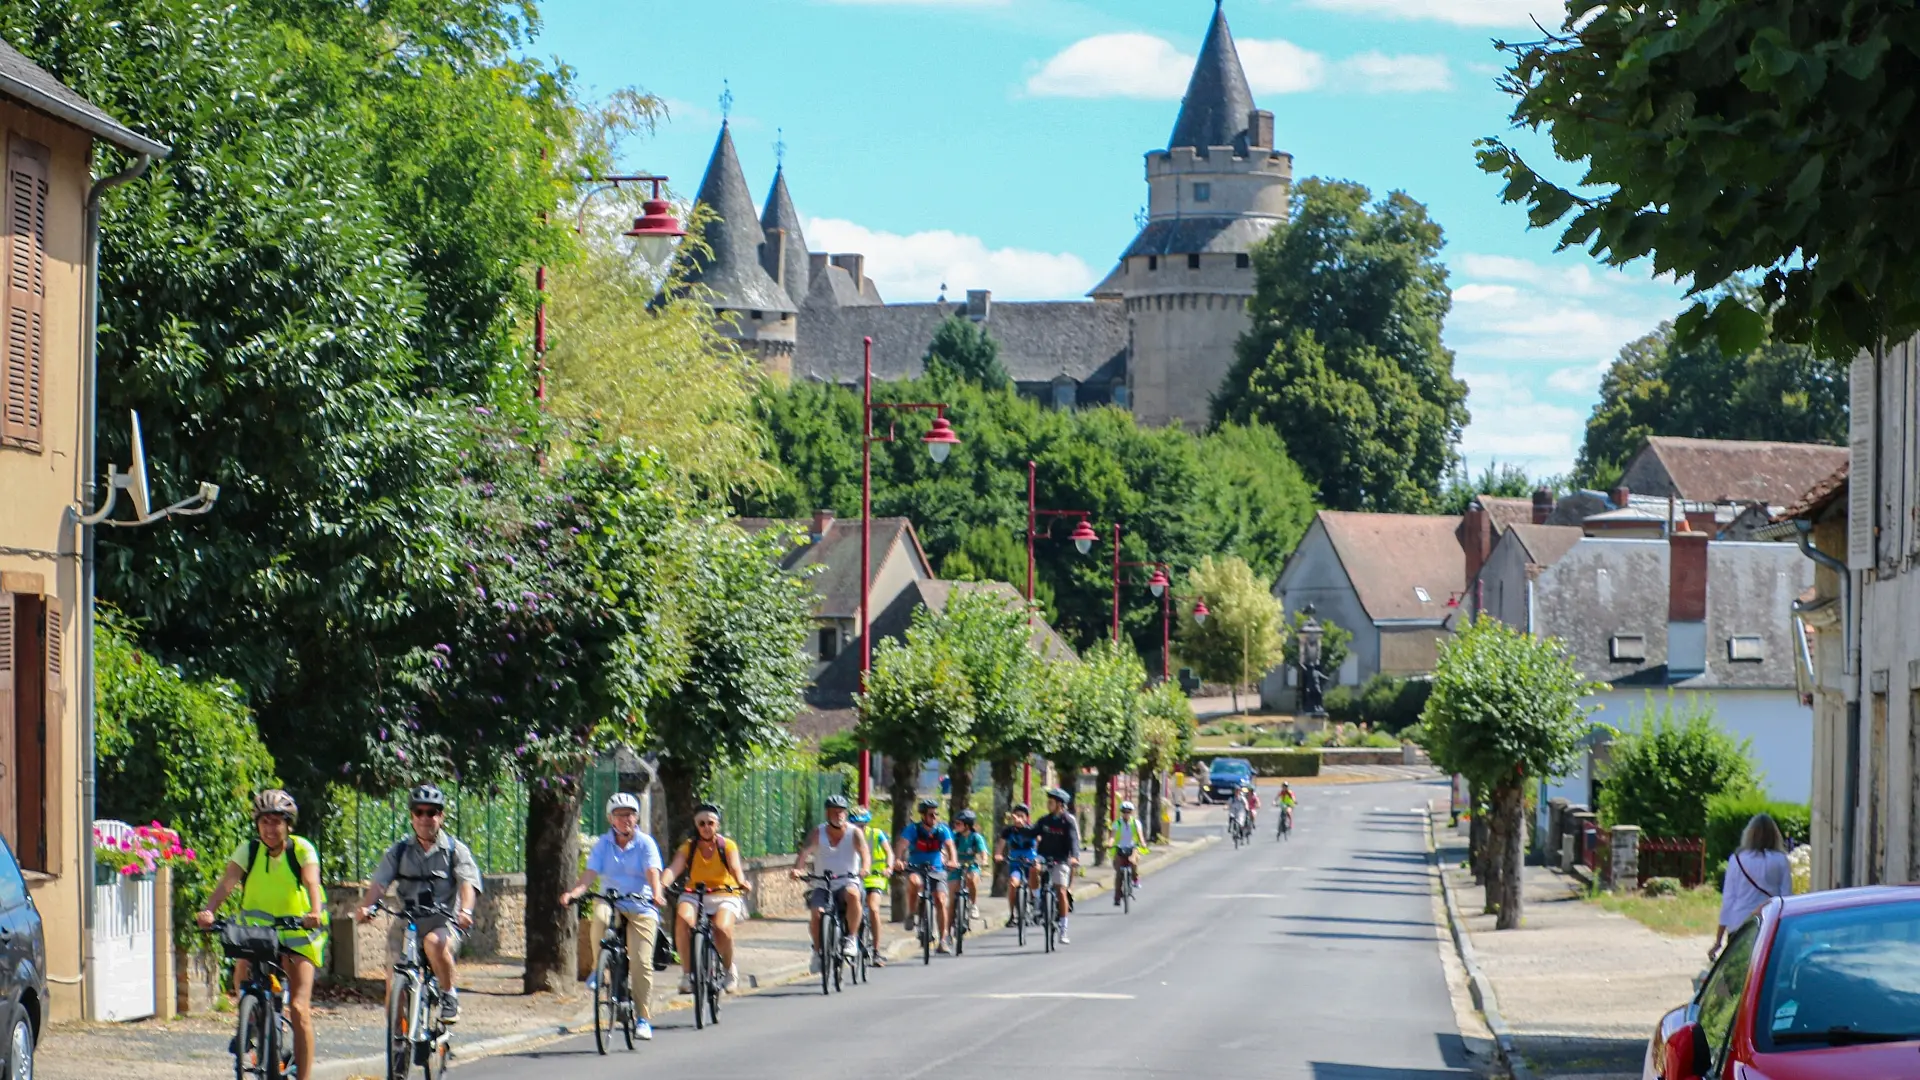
column 137, row 473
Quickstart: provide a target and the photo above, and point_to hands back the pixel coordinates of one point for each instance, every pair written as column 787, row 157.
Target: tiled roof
column 1545, row 544
column 29, row 83
column 838, row 555
column 1722, row 470
column 1503, row 512
column 1083, row 340
column 1821, row 496
column 1201, row 235
column 1218, row 101
column 732, row 270
column 780, row 214
column 1392, row 558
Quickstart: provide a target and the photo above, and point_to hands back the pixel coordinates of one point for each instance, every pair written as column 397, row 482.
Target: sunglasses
column 427, row 811
column 706, row 824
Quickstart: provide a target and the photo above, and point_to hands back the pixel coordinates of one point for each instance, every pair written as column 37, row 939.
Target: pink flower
column 127, row 871
column 173, row 850
column 126, row 845
column 190, row 855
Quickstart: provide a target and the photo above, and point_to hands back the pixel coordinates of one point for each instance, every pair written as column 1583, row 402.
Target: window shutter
column 22, row 338
column 8, row 822
column 1862, row 489
column 52, row 740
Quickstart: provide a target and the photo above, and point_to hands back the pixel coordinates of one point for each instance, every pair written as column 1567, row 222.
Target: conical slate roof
column 780, row 214
column 733, row 269
column 1218, row 101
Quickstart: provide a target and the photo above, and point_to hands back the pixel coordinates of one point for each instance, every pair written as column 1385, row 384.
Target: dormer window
column 1746, row 649
column 1627, row 648
column 1202, row 192
column 1421, row 592
column 1153, row 262
column 1193, row 261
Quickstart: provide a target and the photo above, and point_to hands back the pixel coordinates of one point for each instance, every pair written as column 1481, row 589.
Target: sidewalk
column 1579, row 989
column 495, row 1015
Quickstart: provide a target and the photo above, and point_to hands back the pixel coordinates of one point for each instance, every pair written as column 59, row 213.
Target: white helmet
column 1126, row 804
column 622, row 801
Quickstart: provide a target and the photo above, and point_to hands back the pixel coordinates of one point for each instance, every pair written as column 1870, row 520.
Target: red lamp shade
column 940, row 440
column 1083, row 536
column 1200, row 611
column 1158, row 582
column 657, row 231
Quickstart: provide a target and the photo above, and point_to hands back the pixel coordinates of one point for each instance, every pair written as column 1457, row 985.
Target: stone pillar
column 165, row 997
column 1578, row 821
column 1556, row 831
column 1626, row 858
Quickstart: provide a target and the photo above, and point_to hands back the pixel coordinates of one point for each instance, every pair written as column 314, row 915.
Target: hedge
column 1727, row 817
column 1266, row 761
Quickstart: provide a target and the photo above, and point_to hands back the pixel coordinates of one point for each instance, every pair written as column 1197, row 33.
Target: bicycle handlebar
column 412, row 910
column 611, row 896
column 278, row 922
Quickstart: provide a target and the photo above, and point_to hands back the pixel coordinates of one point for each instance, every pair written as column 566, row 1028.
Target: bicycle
column 262, row 1037
column 1049, row 916
column 1026, row 908
column 1239, row 830
column 709, row 976
column 927, row 914
column 962, row 910
column 415, row 1033
column 869, row 950
column 834, row 930
column 1286, row 824
column 613, row 1005
column 1123, row 878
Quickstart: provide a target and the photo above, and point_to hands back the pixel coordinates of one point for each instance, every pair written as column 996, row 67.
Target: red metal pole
column 1116, row 583
column 1166, row 630
column 1033, row 473
column 1026, row 782
column 866, row 539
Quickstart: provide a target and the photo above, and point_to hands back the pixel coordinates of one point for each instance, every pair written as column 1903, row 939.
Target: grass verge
column 1692, row 912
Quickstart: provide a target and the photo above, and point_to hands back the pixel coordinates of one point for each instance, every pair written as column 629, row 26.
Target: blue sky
column 998, row 144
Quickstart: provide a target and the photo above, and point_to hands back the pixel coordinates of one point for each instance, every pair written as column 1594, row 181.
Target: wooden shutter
column 53, row 740
column 1862, row 487
column 22, row 337
column 9, row 819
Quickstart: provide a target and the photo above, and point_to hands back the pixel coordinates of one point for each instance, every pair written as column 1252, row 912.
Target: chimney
column 1476, row 539
column 1621, row 496
column 1542, row 505
column 1686, row 600
column 855, row 266
column 822, row 524
column 979, row 304
column 816, row 264
column 773, row 256
column 1260, row 129
column 1705, row 521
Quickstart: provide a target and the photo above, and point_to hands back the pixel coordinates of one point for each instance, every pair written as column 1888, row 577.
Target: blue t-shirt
column 625, row 870
column 927, row 847
column 1023, row 843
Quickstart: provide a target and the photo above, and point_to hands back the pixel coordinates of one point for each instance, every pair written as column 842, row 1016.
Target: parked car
column 23, row 968
column 1224, row 775
column 1820, row 986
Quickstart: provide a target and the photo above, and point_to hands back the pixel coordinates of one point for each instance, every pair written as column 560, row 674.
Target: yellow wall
column 38, row 539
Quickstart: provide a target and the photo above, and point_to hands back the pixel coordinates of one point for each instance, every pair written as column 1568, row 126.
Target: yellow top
column 711, row 869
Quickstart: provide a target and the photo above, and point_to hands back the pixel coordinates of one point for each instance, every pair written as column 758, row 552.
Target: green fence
column 767, row 811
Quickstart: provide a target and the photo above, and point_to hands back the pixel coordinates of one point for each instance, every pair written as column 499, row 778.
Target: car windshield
column 1842, row 976
column 1232, row 768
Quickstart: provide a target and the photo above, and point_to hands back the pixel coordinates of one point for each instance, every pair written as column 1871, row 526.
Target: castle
column 1157, row 335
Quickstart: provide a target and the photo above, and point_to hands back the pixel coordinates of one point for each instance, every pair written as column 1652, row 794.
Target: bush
column 840, row 748
column 1661, row 886
column 1662, row 775
column 1265, row 762
column 1387, row 703
column 1728, row 814
column 1342, row 705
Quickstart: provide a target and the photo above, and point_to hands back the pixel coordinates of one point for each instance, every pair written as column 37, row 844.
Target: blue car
column 1224, row 776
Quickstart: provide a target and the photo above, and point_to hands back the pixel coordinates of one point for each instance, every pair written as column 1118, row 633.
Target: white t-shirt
column 1753, row 878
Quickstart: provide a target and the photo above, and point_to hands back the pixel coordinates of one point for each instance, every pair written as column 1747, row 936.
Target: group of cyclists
column 1244, row 807
column 276, row 876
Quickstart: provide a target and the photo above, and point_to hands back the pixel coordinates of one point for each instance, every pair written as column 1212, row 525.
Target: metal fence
column 767, row 811
column 1675, row 857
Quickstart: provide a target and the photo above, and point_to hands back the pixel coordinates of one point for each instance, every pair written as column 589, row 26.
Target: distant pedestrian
column 946, row 784
column 1756, row 873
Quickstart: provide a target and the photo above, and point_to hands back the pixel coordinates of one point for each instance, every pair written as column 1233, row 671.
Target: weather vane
column 726, row 100
column 779, row 148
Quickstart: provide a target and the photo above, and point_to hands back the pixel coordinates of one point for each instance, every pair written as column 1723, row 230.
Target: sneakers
column 813, row 964
column 450, row 1008
column 913, row 922
column 942, row 948
column 686, row 983
column 849, row 949
column 732, row 979
column 1064, row 940
column 1009, row 922
column 643, row 1030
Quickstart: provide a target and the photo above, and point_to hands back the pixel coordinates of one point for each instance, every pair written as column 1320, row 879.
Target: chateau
column 1157, row 335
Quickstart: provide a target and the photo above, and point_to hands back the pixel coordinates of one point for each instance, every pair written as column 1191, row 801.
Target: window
column 1242, row 261
column 1193, row 262
column 30, row 696
column 21, row 358
column 1628, row 648
column 1421, row 592
column 1120, row 395
column 756, row 316
column 1063, row 393
column 1725, row 986
column 1153, row 262
column 829, row 642
column 1746, row 648
column 1202, row 191
column 1838, row 970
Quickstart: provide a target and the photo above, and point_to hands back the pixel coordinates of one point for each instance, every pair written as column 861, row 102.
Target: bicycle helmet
column 1022, row 808
column 275, row 801
column 837, row 802
column 1126, row 804
column 1058, row 795
column 968, row 817
column 622, row 800
column 428, row 795
column 928, row 804
column 860, row 816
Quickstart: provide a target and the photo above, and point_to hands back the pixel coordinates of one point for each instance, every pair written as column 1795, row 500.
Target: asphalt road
column 1312, row 958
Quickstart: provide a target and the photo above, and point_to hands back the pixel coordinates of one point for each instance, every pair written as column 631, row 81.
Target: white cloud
column 1512, row 424
column 1114, row 65
column 1278, row 67
column 1379, row 73
column 1583, row 380
column 916, row 266
column 1137, row 65
column 1489, row 295
column 1458, row 12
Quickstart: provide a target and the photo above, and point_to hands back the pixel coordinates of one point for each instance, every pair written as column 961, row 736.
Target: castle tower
column 783, row 254
column 764, row 317
column 1217, row 190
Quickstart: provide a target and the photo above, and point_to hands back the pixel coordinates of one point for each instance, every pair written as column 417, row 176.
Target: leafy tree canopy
column 1100, row 720
column 1240, row 640
column 965, row 349
column 1663, row 772
column 1344, row 356
column 1500, row 479
column 1505, row 705
column 1724, row 139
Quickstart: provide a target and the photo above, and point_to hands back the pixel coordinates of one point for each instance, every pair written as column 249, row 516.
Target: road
column 1314, row 958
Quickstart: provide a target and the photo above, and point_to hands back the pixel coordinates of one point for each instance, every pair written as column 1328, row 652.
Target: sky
column 1000, row 144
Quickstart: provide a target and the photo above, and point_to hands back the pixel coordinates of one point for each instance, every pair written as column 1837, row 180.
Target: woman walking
column 1756, row 873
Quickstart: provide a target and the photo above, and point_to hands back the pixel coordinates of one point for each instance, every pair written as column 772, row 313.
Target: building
column 1389, row 579
column 46, row 457
column 1156, row 337
column 1726, row 471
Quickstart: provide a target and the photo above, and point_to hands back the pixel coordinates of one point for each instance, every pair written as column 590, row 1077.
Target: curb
column 1478, row 985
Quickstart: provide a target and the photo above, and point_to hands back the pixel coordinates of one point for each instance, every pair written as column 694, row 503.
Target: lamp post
column 939, row 441
column 1161, row 586
column 1310, row 638
column 1083, row 537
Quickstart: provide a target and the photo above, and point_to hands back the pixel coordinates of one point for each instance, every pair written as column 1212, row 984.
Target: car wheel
column 20, row 1048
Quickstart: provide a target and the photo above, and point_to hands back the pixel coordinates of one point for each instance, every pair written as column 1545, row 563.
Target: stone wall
column 500, row 918
column 775, row 895
column 356, row 951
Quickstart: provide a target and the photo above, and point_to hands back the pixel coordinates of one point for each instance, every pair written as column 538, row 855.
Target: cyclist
column 1287, row 800
column 970, row 851
column 1060, row 844
column 1019, row 847
column 629, row 862
column 1253, row 805
column 439, row 871
column 1237, row 808
column 839, row 851
column 712, row 860
column 1129, row 843
column 278, row 875
column 879, row 858
column 926, row 847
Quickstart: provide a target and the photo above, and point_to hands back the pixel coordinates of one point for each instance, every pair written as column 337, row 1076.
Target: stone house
column 829, row 551
column 46, row 468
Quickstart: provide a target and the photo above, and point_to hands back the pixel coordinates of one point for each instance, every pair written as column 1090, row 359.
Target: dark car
column 1224, row 777
column 23, row 968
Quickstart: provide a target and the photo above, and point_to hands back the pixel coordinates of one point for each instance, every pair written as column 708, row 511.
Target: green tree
column 1726, row 139
column 1240, row 641
column 989, row 554
column 965, row 349
column 1166, row 742
column 1499, row 479
column 1664, row 770
column 1258, row 498
column 917, row 707
column 988, row 633
column 1506, row 707
column 1099, row 725
column 1344, row 356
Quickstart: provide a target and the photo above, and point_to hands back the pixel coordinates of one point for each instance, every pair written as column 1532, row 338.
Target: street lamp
column 1310, row 637
column 1200, row 612
column 939, row 442
column 1158, row 585
column 1083, row 537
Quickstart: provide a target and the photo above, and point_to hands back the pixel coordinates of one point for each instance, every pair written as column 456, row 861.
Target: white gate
column 122, row 940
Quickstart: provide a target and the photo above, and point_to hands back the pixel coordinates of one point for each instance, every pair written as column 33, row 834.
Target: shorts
column 715, row 902
column 1060, row 875
column 938, row 878
column 876, row 886
column 1017, row 872
column 1130, row 854
column 817, row 896
column 397, row 938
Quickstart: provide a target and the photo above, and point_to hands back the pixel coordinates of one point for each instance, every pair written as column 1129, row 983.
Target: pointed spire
column 780, row 214
column 1218, row 101
column 733, row 269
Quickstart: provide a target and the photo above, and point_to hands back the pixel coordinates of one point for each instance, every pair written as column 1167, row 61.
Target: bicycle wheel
column 399, row 1028
column 249, row 1051
column 699, row 969
column 1020, row 902
column 715, row 984
column 829, row 950
column 962, row 918
column 605, row 1009
column 1126, row 889
column 624, row 1004
column 1049, row 922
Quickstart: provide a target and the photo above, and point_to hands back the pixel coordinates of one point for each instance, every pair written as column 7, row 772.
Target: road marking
column 1246, row 896
column 1087, row 996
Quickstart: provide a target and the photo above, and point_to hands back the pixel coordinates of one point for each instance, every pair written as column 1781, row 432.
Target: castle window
column 1202, row 192
column 1242, row 260
column 1153, row 262
column 1193, row 262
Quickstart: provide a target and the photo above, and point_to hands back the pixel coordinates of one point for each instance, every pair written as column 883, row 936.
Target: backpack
column 253, row 856
column 927, row 841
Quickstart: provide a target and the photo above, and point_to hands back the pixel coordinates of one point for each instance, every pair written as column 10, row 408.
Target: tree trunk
column 680, row 793
column 1235, row 691
column 1003, row 771
column 1477, row 843
column 552, row 860
column 1102, row 813
column 1492, row 864
column 1151, row 781
column 1510, row 808
column 906, row 785
column 960, row 774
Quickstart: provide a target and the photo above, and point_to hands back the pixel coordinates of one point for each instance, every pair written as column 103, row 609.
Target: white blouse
column 1740, row 897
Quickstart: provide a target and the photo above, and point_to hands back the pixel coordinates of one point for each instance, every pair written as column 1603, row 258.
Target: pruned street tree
column 1166, row 742
column 1099, row 725
column 1240, row 639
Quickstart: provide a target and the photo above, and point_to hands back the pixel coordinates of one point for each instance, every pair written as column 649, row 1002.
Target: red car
column 1818, row 987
